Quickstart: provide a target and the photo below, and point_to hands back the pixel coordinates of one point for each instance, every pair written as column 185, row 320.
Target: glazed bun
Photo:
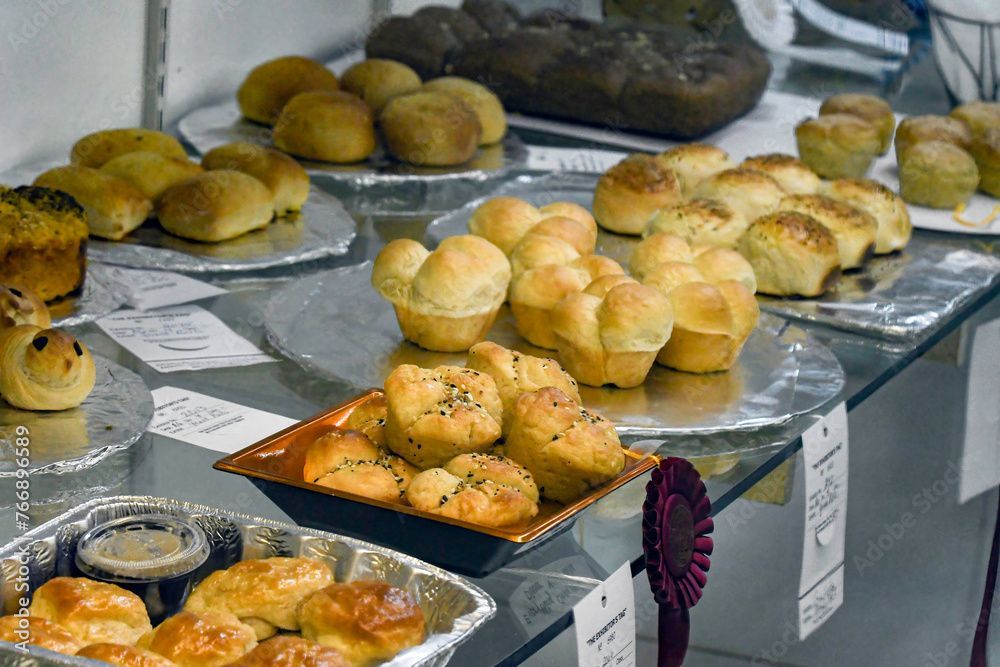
column 21, row 306
column 791, row 254
column 200, row 640
column 878, row 201
column 854, row 229
column 215, row 206
column 269, row 86
column 44, row 369
column 700, row 222
column 918, row 129
column 124, row 656
column 92, row 611
column 283, row 176
column 792, row 174
column 481, row 99
column 749, row 193
column 327, row 126
column 503, row 221
column 349, row 461
column 95, row 149
column 289, row 651
column 870, row 108
column 937, row 174
column 980, row 116
column 114, row 206
column 430, row 129
column 378, row 80
column 838, row 145
column 38, row 632
column 151, row 173
column 693, row 163
column 631, row 192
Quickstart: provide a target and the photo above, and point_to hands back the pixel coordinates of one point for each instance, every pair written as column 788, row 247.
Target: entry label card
column 587, row 160
column 155, row 289
column 605, row 623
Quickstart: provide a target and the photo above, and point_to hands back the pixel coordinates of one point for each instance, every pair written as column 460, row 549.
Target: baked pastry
column 289, row 651
column 719, row 265
column 151, row 173
column 378, row 80
column 486, row 490
column 114, row 207
column 567, row 449
column 700, row 221
column 582, row 239
column 873, row 109
column 263, row 593
column 613, row 338
column 631, row 192
column 283, row 176
column 348, row 461
column 486, row 105
column 369, row 418
column 655, row 249
column 43, row 241
column 217, row 205
column 853, row 228
column 124, row 655
column 918, row 129
column 445, row 300
column 327, row 126
column 38, row 632
column 431, row 129
column 838, row 145
column 92, row 611
column 791, row 254
column 980, row 116
column 366, row 621
column 749, row 193
column 667, row 276
column 878, row 201
column 200, row 640
column 937, row 174
column 95, row 149
column 503, row 221
column 693, row 163
column 436, row 414
column 269, row 86
column 986, row 153
column 792, row 174
column 20, row 306
column 535, row 250
column 44, row 369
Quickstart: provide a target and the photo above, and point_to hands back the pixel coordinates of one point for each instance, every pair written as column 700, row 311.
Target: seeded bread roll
column 631, row 192
column 378, row 80
column 986, row 153
column 481, row 99
column 853, row 228
column 328, row 126
column 838, row 145
column 22, row 306
column 200, row 640
column 215, row 206
column 918, row 129
column 38, row 632
column 873, row 109
column 283, row 176
column 791, row 254
column 96, row 149
column 124, row 656
column 430, row 129
column 878, row 201
column 937, row 174
column 92, row 611
column 693, row 163
column 44, row 369
column 700, row 221
column 349, row 461
column 749, row 193
column 270, row 85
column 114, row 206
column 151, row 173
column 980, row 116
column 793, row 175
column 369, row 419
column 290, row 651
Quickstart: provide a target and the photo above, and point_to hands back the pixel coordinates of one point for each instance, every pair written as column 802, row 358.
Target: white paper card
column 545, row 158
column 155, row 289
column 980, row 469
column 605, row 623
column 211, row 422
column 819, row 604
column 181, row 338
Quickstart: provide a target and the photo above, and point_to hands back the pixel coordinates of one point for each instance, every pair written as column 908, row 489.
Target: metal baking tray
column 455, row 609
column 274, row 465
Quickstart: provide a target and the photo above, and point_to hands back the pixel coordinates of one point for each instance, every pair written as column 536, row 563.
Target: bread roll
column 377, row 80
column 288, row 651
column 369, row 419
column 693, row 163
column 986, row 153
column 700, row 221
column 44, row 369
column 327, row 126
column 430, row 129
column 151, row 173
column 269, row 86
column 92, row 611
column 656, row 249
column 878, row 201
column 215, row 206
column 870, row 108
column 918, row 129
column 749, row 193
column 668, row 276
column 631, row 192
column 582, row 239
column 980, row 116
column 124, row 656
column 853, row 228
column 568, row 209
column 114, row 206
column 96, row 149
column 937, row 174
column 535, row 250
column 21, row 306
column 200, row 640
column 722, row 264
column 283, row 176
column 791, row 254
column 503, row 221
column 793, row 175
column 349, row 461
column 481, row 99
column 838, row 145
column 38, row 632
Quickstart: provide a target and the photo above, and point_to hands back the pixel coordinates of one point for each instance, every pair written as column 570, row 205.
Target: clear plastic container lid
column 142, row 548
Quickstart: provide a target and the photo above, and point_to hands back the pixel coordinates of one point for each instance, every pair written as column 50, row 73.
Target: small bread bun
column 568, row 209
column 792, row 174
column 605, row 284
column 124, row 655
column 327, row 126
column 631, row 192
column 430, row 129
column 22, row 306
column 722, row 264
column 980, row 116
column 749, row 193
column 269, row 86
column 369, row 419
column 92, row 611
column 700, row 221
column 536, row 250
column 96, row 149
column 349, row 461
column 918, row 129
column 283, row 176
column 873, row 109
column 378, row 80
column 791, row 254
column 668, row 276
column 986, row 153
column 151, row 173
column 693, row 163
column 656, row 249
column 214, row 206
column 878, row 201
column 44, row 369
column 200, row 640
column 937, row 174
column 38, row 632
column 582, row 239
column 503, row 221
column 838, row 145
column 481, row 99
column 853, row 228
column 291, row 651
column 114, row 206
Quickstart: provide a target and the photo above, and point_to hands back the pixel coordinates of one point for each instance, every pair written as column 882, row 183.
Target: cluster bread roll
column 503, row 221
column 709, row 263
column 483, row 101
column 884, row 205
column 791, row 254
column 369, row 419
column 937, row 174
column 331, row 126
column 92, row 611
column 700, row 222
column 430, row 128
column 347, row 460
column 986, row 153
column 632, row 191
column 378, row 80
column 693, row 163
column 44, row 369
column 792, row 174
column 838, row 145
column 919, row 129
column 869, row 108
column 216, row 205
column 114, row 207
column 981, row 116
column 124, row 655
column 200, row 640
column 96, row 149
column 22, row 306
column 40, row 632
column 853, row 228
column 151, row 173
column 283, row 176
column 749, row 193
column 288, row 651
column 269, row 86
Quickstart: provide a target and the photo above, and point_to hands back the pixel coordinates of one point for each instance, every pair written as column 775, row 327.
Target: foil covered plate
column 112, row 419
column 454, row 608
column 335, row 324
column 96, row 298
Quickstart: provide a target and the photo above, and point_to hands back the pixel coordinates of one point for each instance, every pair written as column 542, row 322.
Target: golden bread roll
column 348, row 461
column 369, row 418
column 567, row 209
column 333, row 127
column 878, row 201
column 792, row 174
column 567, row 449
column 437, row 414
column 200, row 640
column 114, row 206
column 151, row 173
column 445, row 300
column 986, row 153
column 366, row 621
column 870, row 108
column 918, row 129
column 503, row 221
column 749, row 193
column 38, row 632
column 838, row 145
column 288, row 651
column 667, row 276
column 215, row 206
column 791, row 254
column 96, row 149
column 656, row 249
column 481, row 99
column 430, row 129
column 124, row 655
column 980, row 116
column 700, row 221
column 721, row 264
column 536, row 250
column 92, row 611
column 854, row 229
column 582, row 239
column 22, row 306
column 269, row 86
column 614, row 338
column 602, row 286
column 283, row 176
column 478, row 468
column 44, row 369
column 631, row 192
column 937, row 174
column 377, row 80
column 693, row 163
column 516, row 373
column 263, row 593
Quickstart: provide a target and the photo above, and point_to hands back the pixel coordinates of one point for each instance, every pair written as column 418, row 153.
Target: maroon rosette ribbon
column 676, row 522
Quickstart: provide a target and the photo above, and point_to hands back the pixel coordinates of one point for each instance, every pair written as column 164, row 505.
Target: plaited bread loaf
column 348, row 461
column 289, row 651
column 283, row 176
column 38, row 632
column 96, row 149
column 114, row 206
column 124, row 656
column 749, row 193
column 631, row 192
column 791, row 254
column 854, row 229
column 200, row 640
column 269, row 86
column 700, row 221
column 44, row 369
column 888, row 209
column 151, row 173
column 793, row 175
column 21, row 306
column 92, row 611
column 693, row 163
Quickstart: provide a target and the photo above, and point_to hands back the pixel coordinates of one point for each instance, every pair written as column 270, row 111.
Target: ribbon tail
column 673, row 632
